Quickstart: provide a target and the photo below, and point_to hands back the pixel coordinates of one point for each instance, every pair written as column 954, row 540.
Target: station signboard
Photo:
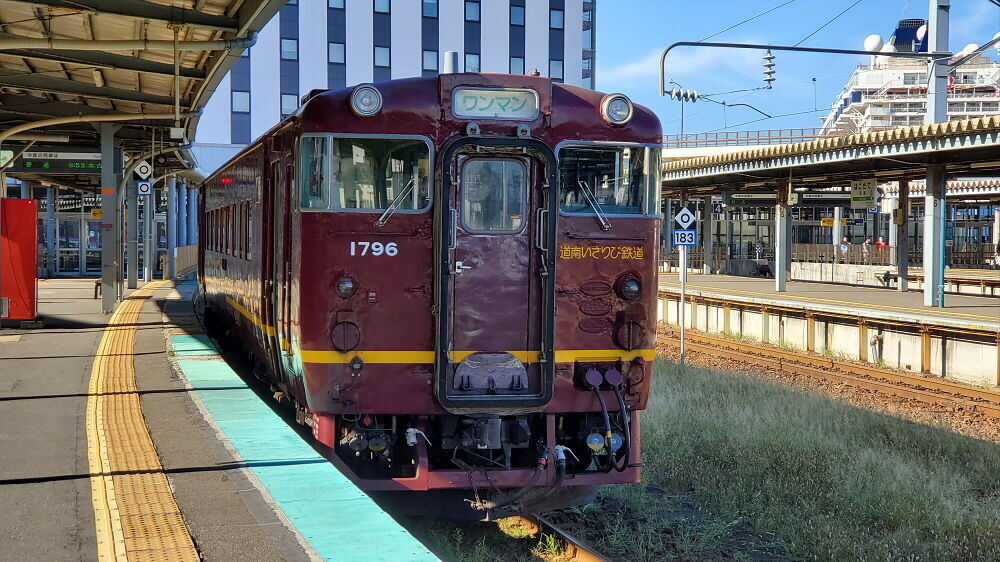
column 862, row 194
column 58, row 160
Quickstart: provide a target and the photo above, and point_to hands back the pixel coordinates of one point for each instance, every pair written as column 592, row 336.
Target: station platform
column 883, row 327
column 961, row 311
column 129, row 438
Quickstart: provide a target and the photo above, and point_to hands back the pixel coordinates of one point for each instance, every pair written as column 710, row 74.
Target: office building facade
column 337, row 43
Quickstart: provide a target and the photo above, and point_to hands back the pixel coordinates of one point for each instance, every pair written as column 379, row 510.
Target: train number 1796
column 374, row 248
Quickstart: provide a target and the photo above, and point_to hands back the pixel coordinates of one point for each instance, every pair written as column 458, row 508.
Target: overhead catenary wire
column 828, row 22
column 735, row 25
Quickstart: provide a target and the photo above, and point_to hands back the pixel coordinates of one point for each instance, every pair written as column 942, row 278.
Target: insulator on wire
column 768, row 68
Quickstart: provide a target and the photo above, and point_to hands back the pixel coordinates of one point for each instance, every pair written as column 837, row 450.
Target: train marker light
column 346, row 287
column 617, row 109
column 629, row 288
column 366, row 100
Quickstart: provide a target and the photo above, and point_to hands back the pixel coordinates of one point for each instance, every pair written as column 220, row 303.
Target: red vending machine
column 18, row 259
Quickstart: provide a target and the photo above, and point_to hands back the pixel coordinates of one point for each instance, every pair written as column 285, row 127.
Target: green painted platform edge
column 337, row 519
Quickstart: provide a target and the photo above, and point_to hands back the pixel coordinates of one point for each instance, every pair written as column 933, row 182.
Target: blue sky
column 631, row 34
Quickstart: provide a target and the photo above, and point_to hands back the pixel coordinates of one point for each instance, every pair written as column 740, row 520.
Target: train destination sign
column 490, row 103
column 63, row 160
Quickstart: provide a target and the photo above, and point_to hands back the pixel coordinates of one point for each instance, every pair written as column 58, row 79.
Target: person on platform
column 881, row 244
column 845, row 246
column 866, row 248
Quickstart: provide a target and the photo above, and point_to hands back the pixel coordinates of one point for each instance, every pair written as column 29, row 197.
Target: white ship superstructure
column 892, row 92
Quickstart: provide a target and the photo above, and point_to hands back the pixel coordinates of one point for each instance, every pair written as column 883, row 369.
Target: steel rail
column 574, row 549
column 923, row 389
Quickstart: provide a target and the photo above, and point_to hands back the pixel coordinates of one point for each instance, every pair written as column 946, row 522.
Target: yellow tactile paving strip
column 135, row 512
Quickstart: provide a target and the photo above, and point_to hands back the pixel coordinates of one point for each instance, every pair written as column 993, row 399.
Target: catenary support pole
column 727, row 205
column 132, row 235
column 171, row 187
column 708, row 235
column 902, row 247
column 50, row 230
column 934, row 216
column 668, row 234
column 181, row 213
column 109, row 219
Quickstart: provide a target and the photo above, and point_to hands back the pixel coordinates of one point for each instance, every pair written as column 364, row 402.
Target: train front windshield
column 621, row 178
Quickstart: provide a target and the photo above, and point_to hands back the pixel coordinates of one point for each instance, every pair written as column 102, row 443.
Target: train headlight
column 630, row 288
column 346, row 287
column 366, row 100
column 617, row 109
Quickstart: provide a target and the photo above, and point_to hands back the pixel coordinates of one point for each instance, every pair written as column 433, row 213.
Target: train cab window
column 493, row 196
column 365, row 174
column 621, row 179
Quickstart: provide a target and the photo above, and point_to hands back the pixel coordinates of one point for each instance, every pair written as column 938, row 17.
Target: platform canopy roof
column 67, row 58
column 969, row 148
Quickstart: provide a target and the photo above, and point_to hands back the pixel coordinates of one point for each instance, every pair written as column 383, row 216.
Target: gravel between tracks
column 964, row 422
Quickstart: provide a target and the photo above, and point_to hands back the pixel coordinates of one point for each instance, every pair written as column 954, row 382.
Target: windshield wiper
column 396, row 201
column 592, row 200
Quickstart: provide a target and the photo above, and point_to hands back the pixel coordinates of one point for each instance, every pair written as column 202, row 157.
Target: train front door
column 494, row 321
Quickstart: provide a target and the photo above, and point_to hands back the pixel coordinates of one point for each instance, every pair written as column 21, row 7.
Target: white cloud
column 712, row 65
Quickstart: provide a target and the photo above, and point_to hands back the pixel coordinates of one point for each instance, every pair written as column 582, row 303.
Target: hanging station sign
column 61, row 160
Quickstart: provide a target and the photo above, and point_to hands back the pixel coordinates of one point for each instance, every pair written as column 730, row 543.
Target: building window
column 556, row 19
column 335, row 53
column 241, row 102
column 471, row 62
column 555, row 69
column 382, row 56
column 430, row 8
column 472, row 11
column 290, row 49
column 336, row 4
column 517, row 15
column 588, row 38
column 585, row 63
column 382, row 6
column 517, row 65
column 430, row 60
column 289, row 103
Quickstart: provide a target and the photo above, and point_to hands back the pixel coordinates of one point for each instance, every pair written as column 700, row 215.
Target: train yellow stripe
column 267, row 328
column 427, row 357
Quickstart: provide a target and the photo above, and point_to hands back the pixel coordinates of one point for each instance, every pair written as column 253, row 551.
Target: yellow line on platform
column 938, row 312
column 135, row 514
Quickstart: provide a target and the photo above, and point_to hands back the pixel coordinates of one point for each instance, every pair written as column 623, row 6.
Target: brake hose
column 607, row 431
column 627, row 423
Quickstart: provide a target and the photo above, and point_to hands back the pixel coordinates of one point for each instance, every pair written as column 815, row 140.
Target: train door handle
column 460, row 267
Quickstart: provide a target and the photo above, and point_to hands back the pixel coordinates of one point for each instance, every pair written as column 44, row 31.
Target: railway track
column 573, row 549
column 924, row 389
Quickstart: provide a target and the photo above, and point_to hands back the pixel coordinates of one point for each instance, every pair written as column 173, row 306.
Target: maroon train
column 453, row 278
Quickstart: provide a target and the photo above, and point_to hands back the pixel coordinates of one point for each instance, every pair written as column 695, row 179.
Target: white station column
column 171, row 187
column 838, row 232
column 782, row 232
column 149, row 236
column 934, row 216
column 708, row 235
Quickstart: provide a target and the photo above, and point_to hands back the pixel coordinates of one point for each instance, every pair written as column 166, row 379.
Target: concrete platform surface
column 46, row 479
column 963, row 311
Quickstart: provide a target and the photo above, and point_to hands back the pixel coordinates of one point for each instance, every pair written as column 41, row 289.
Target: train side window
column 621, row 178
column 315, row 172
column 369, row 174
column 493, row 196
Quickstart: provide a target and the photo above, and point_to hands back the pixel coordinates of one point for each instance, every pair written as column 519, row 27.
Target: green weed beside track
column 747, row 468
